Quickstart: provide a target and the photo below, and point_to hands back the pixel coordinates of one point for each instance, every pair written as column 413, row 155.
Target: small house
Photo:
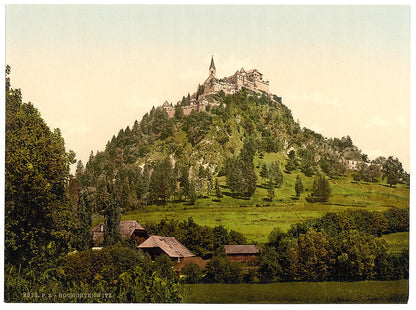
column 157, row 245
column 128, row 230
column 241, row 253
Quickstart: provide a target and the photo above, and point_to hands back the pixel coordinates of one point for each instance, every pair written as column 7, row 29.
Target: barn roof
column 193, row 260
column 241, row 249
column 126, row 228
column 169, row 245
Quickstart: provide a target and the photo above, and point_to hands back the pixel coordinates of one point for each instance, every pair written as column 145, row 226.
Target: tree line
column 335, row 247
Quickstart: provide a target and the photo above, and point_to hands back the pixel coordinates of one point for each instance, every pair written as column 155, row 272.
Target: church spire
column 212, row 69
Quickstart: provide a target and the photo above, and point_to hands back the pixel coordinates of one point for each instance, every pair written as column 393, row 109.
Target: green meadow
column 397, row 242
column 256, row 217
column 300, row 292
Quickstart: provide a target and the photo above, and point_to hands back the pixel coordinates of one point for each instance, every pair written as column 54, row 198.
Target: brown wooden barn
column 157, row 245
column 128, row 230
column 241, row 253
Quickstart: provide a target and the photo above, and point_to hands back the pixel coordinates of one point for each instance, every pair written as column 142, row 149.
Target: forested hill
column 161, row 158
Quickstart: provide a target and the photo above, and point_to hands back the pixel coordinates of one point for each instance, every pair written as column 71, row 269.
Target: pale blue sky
column 92, row 70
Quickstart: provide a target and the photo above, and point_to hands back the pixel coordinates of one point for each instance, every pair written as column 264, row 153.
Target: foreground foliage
column 115, row 274
column 47, row 216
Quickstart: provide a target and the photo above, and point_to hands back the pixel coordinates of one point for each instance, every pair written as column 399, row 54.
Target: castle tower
column 212, row 67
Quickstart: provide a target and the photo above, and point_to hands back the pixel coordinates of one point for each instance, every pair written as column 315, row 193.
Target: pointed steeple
column 212, row 63
column 212, row 69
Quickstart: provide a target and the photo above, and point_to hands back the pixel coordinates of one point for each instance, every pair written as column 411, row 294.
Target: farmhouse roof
column 169, row 245
column 241, row 249
column 126, row 228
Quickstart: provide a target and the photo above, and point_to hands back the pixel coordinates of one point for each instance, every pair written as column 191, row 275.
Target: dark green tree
column 357, row 255
column 270, row 190
column 218, row 192
column 112, row 218
column 298, row 186
column 269, row 268
column 161, row 182
column 184, row 183
column 312, row 257
column 193, row 274
column 275, row 174
column 292, row 162
column 221, row 270
column 264, row 172
column 83, row 224
column 320, row 190
column 37, row 212
column 392, row 170
column 220, row 237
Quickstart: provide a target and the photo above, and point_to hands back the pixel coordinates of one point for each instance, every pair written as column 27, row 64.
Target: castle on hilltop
column 251, row 79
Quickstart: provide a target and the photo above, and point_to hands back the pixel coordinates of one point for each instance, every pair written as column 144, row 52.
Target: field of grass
column 397, row 242
column 300, row 292
column 255, row 217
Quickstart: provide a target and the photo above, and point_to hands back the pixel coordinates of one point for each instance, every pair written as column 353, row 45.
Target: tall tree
column 161, row 182
column 392, row 170
column 320, row 190
column 218, row 192
column 83, row 224
column 112, row 218
column 275, row 174
column 184, row 181
column 298, row 186
column 312, row 257
column 37, row 213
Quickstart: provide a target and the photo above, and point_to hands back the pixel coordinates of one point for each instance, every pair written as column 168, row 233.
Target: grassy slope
column 255, row 218
column 397, row 242
column 300, row 292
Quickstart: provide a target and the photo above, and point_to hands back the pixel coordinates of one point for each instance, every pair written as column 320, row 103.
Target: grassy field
column 397, row 242
column 255, row 217
column 300, row 292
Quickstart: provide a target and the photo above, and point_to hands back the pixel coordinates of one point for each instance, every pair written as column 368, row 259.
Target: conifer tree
column 184, row 181
column 112, row 218
column 270, row 190
column 320, row 190
column 298, row 186
column 83, row 225
column 218, row 192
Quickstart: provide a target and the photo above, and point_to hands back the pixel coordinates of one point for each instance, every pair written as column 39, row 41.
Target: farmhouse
column 241, row 253
column 157, row 245
column 128, row 230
